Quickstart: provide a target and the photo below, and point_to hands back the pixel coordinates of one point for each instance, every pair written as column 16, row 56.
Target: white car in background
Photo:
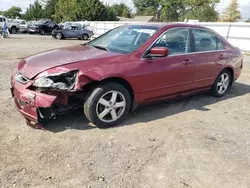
column 22, row 25
column 12, row 26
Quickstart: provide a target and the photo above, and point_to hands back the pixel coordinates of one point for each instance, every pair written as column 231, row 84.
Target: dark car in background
column 42, row 27
column 76, row 31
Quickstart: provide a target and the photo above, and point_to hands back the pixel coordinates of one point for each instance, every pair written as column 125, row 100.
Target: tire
column 41, row 31
column 13, row 30
column 219, row 83
column 94, row 108
column 85, row 37
column 59, row 36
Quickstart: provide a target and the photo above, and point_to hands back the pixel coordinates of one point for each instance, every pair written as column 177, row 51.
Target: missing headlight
column 63, row 81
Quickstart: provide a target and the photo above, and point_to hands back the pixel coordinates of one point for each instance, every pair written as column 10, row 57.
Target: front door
column 171, row 75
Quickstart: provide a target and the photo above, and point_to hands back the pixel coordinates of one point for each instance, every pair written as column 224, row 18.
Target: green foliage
column 205, row 13
column 93, row 10
column 248, row 20
column 70, row 10
column 147, row 7
column 121, row 10
column 13, row 12
column 50, row 8
column 34, row 12
column 178, row 10
column 232, row 13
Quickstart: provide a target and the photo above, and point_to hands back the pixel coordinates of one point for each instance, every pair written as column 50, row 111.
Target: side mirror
column 159, row 52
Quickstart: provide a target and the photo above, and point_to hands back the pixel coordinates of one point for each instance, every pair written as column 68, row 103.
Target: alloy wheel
column 223, row 83
column 111, row 106
column 58, row 36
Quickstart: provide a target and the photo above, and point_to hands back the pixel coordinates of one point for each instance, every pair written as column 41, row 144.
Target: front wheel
column 59, row 36
column 85, row 37
column 222, row 83
column 13, row 30
column 107, row 105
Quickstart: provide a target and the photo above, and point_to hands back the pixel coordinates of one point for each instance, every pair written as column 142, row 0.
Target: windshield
column 41, row 22
column 124, row 39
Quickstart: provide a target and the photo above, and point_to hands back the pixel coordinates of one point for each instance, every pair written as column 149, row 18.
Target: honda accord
column 128, row 66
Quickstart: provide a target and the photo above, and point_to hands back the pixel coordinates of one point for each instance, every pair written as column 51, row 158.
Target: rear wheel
column 59, row 36
column 42, row 32
column 222, row 83
column 13, row 30
column 107, row 105
column 85, row 37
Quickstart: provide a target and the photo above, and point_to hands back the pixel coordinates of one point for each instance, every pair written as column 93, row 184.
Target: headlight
column 62, row 81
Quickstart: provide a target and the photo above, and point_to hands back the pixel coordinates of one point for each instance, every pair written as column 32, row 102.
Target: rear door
column 210, row 56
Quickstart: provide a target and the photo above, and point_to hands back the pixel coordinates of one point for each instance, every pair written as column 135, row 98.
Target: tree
column 171, row 10
column 121, row 10
column 94, row 10
column 34, row 12
column 74, row 10
column 50, row 8
column 248, row 20
column 206, row 13
column 13, row 12
column 232, row 13
column 178, row 10
column 147, row 7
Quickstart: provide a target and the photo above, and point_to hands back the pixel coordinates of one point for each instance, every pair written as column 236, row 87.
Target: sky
column 244, row 5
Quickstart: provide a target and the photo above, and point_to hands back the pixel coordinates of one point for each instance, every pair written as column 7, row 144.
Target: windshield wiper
column 100, row 47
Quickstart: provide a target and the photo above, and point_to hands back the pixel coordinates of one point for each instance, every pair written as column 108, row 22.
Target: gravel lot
column 199, row 141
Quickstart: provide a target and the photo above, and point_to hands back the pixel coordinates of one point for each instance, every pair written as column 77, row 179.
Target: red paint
column 150, row 79
column 159, row 51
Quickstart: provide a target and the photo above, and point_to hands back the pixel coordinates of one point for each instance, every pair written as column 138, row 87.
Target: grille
column 20, row 78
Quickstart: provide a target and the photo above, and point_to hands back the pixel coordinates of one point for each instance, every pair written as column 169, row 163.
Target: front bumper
column 28, row 102
column 23, row 30
column 33, row 30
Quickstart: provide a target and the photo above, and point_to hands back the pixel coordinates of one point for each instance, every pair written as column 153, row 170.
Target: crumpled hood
column 33, row 65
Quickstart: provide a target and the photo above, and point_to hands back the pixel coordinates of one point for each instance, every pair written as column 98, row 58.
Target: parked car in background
column 22, row 25
column 42, row 27
column 12, row 26
column 72, row 32
column 65, row 24
column 125, row 67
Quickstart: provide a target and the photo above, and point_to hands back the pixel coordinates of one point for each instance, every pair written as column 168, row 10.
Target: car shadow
column 159, row 110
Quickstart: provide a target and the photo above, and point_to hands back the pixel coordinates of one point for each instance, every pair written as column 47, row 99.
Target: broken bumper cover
column 28, row 103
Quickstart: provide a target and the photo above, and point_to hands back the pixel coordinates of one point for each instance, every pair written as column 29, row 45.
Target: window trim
column 190, row 35
column 189, row 39
column 216, row 39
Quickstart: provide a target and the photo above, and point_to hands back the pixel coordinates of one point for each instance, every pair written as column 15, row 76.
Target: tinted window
column 206, row 41
column 50, row 24
column 176, row 40
column 2, row 20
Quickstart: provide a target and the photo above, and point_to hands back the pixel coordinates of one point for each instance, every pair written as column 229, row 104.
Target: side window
column 206, row 41
column 220, row 46
column 176, row 40
column 1, row 20
column 50, row 24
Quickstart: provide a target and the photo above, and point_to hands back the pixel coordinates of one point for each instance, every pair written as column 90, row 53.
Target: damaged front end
column 59, row 81
column 48, row 95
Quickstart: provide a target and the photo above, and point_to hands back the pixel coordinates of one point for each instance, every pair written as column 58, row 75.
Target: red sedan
column 123, row 68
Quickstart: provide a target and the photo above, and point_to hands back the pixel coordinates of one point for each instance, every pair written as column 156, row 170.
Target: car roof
column 169, row 25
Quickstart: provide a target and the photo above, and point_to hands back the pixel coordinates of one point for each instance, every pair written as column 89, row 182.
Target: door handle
column 187, row 62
